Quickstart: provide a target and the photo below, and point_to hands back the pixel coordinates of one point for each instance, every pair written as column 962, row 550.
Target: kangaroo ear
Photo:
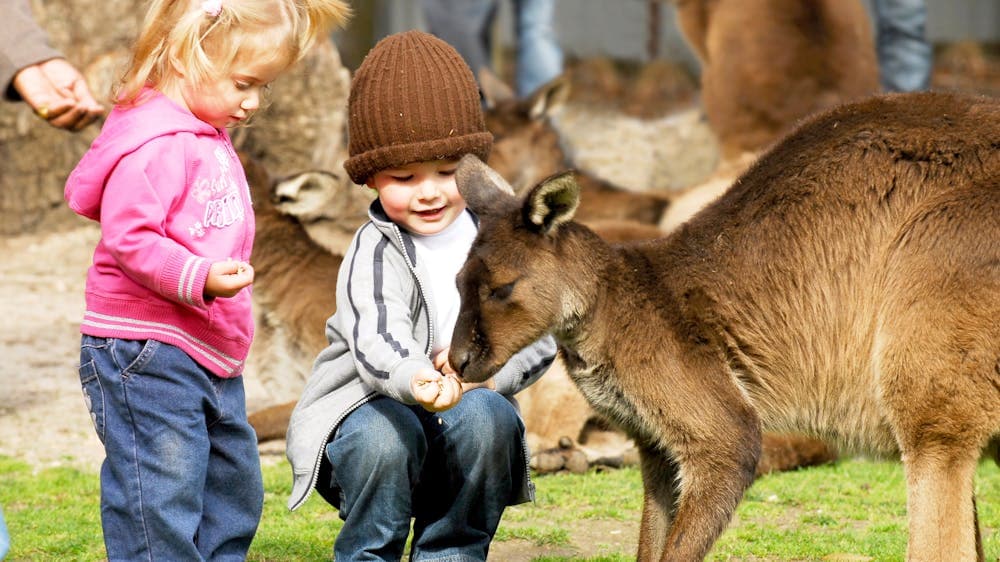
column 549, row 97
column 552, row 202
column 481, row 186
column 493, row 89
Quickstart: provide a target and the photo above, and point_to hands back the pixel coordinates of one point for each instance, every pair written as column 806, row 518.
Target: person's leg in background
column 4, row 537
column 466, row 25
column 539, row 55
column 904, row 53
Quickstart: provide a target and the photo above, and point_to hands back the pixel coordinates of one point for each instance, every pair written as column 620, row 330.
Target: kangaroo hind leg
column 936, row 360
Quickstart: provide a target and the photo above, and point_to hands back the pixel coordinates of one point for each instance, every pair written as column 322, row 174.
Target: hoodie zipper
column 420, row 287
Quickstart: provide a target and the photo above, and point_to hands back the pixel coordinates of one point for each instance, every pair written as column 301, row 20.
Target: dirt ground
column 43, row 419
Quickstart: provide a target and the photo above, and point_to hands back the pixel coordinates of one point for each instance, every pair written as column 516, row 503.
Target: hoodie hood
column 125, row 130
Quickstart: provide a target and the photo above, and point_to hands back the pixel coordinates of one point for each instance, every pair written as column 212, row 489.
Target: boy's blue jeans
column 454, row 472
column 181, row 479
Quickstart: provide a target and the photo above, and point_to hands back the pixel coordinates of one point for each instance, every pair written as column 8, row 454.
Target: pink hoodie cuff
column 183, row 278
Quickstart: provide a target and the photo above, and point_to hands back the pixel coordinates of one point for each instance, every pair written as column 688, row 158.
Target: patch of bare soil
column 43, row 419
column 588, row 538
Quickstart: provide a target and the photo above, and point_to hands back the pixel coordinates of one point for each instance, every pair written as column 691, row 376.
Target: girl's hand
column 227, row 278
column 434, row 391
column 441, row 364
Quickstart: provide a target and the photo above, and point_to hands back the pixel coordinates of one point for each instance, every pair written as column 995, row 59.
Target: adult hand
column 58, row 93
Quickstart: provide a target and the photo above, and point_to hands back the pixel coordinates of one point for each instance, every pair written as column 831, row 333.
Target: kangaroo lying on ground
column 847, row 285
column 528, row 149
column 293, row 297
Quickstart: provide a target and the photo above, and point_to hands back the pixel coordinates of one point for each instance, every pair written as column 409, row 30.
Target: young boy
column 384, row 429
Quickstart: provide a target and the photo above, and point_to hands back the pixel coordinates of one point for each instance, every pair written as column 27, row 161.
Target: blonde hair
column 205, row 41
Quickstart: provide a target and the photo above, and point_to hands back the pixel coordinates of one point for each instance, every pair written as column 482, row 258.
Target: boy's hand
column 434, row 391
column 441, row 364
column 227, row 278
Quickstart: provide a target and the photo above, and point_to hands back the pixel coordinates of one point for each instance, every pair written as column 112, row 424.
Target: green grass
column 855, row 507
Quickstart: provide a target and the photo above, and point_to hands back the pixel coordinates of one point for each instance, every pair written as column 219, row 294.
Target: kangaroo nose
column 459, row 360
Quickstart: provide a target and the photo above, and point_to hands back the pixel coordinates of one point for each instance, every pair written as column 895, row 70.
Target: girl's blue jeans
column 181, row 479
column 453, row 472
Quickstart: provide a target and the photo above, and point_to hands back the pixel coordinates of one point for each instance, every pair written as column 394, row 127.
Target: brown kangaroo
column 528, row 149
column 765, row 64
column 289, row 331
column 847, row 285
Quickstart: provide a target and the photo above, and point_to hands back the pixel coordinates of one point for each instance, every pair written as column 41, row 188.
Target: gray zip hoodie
column 380, row 335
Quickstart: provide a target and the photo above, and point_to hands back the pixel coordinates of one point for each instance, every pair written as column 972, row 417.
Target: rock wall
column 302, row 128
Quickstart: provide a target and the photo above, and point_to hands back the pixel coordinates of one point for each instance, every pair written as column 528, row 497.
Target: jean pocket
column 93, row 396
column 132, row 356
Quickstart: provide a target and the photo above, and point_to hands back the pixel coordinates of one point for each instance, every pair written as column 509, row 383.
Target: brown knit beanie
column 413, row 99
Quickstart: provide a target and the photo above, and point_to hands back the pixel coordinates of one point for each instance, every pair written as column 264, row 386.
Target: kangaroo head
column 512, row 281
column 526, row 145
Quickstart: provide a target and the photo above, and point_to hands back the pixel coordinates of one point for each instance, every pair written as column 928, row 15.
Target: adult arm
column 32, row 70
column 23, row 43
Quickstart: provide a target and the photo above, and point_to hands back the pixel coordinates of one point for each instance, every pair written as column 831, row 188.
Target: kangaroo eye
column 502, row 292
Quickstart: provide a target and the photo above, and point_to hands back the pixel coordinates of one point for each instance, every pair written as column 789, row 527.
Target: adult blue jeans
column 467, row 26
column 4, row 537
column 904, row 54
column 453, row 472
column 539, row 56
column 181, row 479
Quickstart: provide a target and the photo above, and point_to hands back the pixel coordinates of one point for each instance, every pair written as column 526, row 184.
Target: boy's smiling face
column 421, row 197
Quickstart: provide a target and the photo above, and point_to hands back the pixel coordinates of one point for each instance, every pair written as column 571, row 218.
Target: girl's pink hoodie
column 171, row 197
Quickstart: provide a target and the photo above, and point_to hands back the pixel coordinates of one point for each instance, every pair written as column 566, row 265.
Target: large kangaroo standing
column 767, row 63
column 847, row 285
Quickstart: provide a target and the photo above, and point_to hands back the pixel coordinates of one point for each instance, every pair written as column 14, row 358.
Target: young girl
column 168, row 322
